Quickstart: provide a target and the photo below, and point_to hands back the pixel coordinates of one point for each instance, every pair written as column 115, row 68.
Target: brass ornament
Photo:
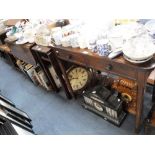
column 128, row 90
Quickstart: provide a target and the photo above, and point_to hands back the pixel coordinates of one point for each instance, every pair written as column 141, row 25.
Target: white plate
column 136, row 61
column 21, row 42
column 150, row 25
column 139, row 48
column 131, row 57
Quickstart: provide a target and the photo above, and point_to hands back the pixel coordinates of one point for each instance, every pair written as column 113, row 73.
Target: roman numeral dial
column 78, row 77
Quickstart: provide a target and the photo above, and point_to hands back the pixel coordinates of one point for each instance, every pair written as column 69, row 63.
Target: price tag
column 85, row 52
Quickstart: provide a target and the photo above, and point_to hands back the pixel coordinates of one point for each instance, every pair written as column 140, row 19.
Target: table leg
column 59, row 73
column 153, row 94
column 141, row 81
column 66, row 78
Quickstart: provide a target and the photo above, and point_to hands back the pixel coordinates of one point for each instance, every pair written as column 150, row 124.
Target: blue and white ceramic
column 102, row 47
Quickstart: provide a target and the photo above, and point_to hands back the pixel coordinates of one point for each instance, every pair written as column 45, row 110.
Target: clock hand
column 74, row 78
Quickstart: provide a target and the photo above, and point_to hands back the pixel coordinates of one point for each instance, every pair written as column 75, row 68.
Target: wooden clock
column 79, row 78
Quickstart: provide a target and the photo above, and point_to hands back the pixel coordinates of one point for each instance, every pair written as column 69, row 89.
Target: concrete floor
column 53, row 114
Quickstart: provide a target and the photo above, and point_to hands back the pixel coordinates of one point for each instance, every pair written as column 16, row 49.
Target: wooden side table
column 118, row 66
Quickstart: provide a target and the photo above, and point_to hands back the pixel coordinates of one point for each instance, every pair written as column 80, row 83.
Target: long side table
column 118, row 66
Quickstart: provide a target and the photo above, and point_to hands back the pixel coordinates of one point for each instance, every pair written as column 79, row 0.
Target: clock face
column 78, row 78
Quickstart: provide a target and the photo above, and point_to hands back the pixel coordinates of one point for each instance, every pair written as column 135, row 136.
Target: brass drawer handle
column 109, row 67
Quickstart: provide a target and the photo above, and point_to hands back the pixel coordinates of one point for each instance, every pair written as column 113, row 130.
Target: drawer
column 98, row 63
column 111, row 67
column 121, row 69
column 77, row 58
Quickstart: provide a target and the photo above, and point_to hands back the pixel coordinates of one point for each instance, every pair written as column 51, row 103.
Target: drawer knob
column 70, row 57
column 109, row 67
column 57, row 53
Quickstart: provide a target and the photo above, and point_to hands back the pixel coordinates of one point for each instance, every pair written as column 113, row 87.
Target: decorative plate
column 136, row 61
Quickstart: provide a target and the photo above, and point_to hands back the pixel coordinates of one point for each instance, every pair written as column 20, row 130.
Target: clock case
column 108, row 101
column 90, row 75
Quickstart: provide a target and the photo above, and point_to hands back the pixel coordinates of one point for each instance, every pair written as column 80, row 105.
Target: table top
column 42, row 49
column 12, row 22
column 26, row 45
column 149, row 65
column 120, row 59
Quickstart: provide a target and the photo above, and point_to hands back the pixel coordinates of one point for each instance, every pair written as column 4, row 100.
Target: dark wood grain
column 120, row 60
column 118, row 66
column 22, row 52
column 41, row 49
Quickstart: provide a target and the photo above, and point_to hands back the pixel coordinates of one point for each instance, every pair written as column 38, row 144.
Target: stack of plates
column 139, row 49
column 137, row 61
